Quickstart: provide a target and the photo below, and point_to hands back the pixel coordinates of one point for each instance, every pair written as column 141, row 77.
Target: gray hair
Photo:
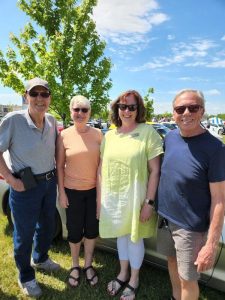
column 79, row 99
column 198, row 93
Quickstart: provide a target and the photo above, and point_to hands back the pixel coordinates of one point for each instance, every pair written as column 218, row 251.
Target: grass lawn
column 154, row 282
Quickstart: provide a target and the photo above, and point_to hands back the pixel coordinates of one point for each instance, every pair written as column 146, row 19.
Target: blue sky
column 165, row 44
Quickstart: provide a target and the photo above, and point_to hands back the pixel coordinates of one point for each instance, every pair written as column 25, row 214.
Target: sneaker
column 48, row 265
column 30, row 288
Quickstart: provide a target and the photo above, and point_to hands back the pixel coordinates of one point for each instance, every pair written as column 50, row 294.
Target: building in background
column 4, row 109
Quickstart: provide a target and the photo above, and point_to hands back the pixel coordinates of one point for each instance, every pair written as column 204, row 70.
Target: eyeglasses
column 191, row 108
column 42, row 94
column 83, row 110
column 131, row 107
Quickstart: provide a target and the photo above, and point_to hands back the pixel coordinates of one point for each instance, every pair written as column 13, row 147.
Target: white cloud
column 223, row 38
column 190, row 54
column 217, row 64
column 212, row 92
column 170, row 37
column 127, row 22
column 194, row 79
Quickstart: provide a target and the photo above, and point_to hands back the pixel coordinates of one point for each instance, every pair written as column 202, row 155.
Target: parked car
column 170, row 125
column 152, row 257
column 160, row 128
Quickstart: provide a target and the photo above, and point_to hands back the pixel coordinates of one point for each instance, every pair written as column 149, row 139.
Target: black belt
column 47, row 176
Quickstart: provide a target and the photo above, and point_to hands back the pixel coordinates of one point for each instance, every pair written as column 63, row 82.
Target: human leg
column 136, row 253
column 91, row 275
column 174, row 277
column 189, row 290
column 74, row 275
column 188, row 245
column 25, row 207
column 91, row 232
column 75, row 224
column 117, row 284
column 46, row 224
column 91, row 229
column 136, row 256
column 166, row 246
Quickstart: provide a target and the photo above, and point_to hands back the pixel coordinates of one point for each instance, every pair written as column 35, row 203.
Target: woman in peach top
column 78, row 152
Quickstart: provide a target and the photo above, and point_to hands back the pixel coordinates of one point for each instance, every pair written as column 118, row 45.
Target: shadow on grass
column 5, row 296
column 8, row 230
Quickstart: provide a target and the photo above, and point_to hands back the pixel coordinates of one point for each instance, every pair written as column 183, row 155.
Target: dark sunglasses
column 83, row 110
column 191, row 108
column 42, row 94
column 131, row 107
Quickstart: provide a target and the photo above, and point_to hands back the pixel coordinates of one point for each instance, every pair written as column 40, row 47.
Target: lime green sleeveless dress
column 124, row 181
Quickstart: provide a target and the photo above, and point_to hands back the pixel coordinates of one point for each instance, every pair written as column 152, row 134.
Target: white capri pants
column 133, row 252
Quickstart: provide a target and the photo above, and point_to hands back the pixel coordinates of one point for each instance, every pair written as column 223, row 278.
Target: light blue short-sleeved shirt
column 28, row 145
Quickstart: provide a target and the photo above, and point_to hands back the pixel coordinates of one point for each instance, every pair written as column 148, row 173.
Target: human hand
column 146, row 212
column 17, row 185
column 63, row 200
column 206, row 258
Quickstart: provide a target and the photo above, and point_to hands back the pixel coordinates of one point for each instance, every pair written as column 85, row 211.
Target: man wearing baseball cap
column 30, row 138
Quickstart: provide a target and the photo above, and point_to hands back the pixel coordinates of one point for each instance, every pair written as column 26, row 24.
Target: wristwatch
column 150, row 202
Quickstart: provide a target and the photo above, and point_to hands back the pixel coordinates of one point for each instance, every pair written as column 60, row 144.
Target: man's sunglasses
column 83, row 110
column 131, row 107
column 191, row 108
column 42, row 94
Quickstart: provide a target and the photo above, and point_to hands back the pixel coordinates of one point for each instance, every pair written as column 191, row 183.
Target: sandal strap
column 121, row 283
column 95, row 273
column 131, row 288
column 131, row 291
column 89, row 267
column 77, row 279
column 75, row 268
column 117, row 285
column 74, row 278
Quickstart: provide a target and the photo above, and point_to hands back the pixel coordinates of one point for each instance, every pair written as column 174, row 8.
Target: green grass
column 154, row 283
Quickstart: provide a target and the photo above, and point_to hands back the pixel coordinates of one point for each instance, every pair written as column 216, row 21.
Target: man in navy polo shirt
column 191, row 196
column 30, row 138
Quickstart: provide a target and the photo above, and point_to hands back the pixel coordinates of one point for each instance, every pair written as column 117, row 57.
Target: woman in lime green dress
column 130, row 166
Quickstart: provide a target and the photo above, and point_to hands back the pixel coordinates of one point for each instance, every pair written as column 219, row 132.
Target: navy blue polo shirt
column 189, row 165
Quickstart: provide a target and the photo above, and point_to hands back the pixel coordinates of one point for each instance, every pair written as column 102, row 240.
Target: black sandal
column 130, row 292
column 117, row 286
column 76, row 279
column 90, row 280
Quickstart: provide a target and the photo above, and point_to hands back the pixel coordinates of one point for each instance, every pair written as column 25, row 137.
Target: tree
column 67, row 52
column 221, row 116
column 149, row 104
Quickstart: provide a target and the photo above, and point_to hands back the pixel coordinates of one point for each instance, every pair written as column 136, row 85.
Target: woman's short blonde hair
column 79, row 99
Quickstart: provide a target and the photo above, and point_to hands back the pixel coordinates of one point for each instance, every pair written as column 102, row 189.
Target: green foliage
column 149, row 104
column 166, row 115
column 221, row 116
column 67, row 52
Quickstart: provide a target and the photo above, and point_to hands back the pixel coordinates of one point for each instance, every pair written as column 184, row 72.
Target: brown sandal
column 90, row 280
column 76, row 279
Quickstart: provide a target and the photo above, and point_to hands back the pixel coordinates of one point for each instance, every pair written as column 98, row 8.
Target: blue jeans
column 34, row 222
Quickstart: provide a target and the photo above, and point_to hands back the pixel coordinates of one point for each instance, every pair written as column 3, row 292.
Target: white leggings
column 133, row 252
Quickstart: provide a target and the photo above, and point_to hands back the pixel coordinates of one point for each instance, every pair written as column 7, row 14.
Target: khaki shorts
column 173, row 240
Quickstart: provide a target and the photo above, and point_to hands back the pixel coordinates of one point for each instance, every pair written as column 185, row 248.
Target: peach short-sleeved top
column 82, row 152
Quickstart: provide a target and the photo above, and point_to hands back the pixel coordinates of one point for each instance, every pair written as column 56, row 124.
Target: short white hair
column 198, row 93
column 79, row 99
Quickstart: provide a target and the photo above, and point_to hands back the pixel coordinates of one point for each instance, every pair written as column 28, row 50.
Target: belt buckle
column 49, row 176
